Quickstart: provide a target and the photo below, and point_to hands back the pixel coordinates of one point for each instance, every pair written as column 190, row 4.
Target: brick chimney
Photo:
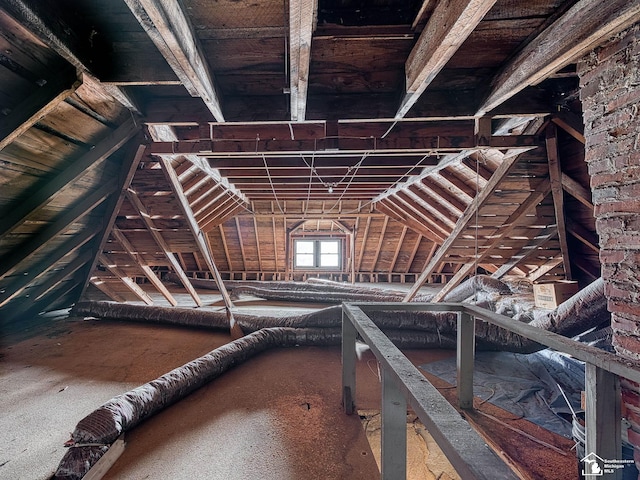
column 610, row 95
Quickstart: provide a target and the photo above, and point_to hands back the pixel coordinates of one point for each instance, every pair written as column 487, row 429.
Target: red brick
column 624, row 325
column 609, row 225
column 629, row 98
column 630, row 190
column 620, row 307
column 619, row 208
column 617, row 45
column 631, row 399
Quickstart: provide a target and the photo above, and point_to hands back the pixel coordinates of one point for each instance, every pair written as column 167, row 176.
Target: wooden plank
column 137, row 203
column 365, row 236
column 168, row 26
column 587, row 237
column 398, row 248
column 570, row 123
column 603, row 414
column 10, row 262
column 585, row 25
column 555, row 176
column 376, row 255
column 42, row 192
column 42, row 102
column 106, row 289
column 102, row 466
column 127, row 281
column 302, row 19
column 127, row 170
column 203, row 246
column 463, row 222
column 36, row 271
column 544, row 269
column 226, row 248
column 446, row 30
column 577, row 191
column 142, row 264
column 497, row 239
column 528, row 250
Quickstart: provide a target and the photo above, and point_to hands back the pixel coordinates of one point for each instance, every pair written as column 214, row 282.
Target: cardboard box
column 552, row 294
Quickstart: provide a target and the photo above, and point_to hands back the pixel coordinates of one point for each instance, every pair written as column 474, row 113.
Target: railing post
column 393, row 458
column 602, row 416
column 465, row 354
column 348, row 365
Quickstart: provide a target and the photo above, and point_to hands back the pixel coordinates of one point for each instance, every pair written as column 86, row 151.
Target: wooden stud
column 128, row 282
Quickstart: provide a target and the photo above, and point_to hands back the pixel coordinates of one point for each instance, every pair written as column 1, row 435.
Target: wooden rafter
column 577, row 191
column 44, row 100
column 497, row 238
column 42, row 192
column 170, row 29
column 302, row 18
column 17, row 285
column 398, row 248
column 544, row 268
column 446, row 30
column 364, row 241
column 581, row 28
column 570, row 123
column 585, row 236
column 101, row 285
column 160, row 241
column 415, row 207
column 225, row 247
column 388, row 207
column 10, row 262
column 376, row 256
column 126, row 280
column 203, row 246
column 463, row 222
column 45, row 20
column 126, row 172
column 414, row 251
column 555, row 175
column 540, row 239
column 142, row 265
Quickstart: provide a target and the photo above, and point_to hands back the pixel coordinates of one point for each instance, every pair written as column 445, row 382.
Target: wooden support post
column 348, row 365
column 603, row 413
column 465, row 354
column 393, row 457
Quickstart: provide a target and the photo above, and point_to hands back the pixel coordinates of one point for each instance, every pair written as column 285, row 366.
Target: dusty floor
column 277, row 416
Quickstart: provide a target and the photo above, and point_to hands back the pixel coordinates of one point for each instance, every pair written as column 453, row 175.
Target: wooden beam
column 10, row 262
column 126, row 172
column 545, row 268
column 18, row 283
column 203, row 245
column 380, row 242
column 168, row 26
column 448, row 27
column 42, row 102
column 226, row 248
column 587, row 237
column 398, row 248
column 577, row 191
column 414, row 251
column 155, row 233
column 45, row 20
column 570, row 123
column 528, row 250
column 391, row 208
column 146, row 269
column 104, row 288
column 584, row 26
column 302, row 19
column 242, row 252
column 128, row 282
column 365, row 236
column 555, row 175
column 497, row 238
column 463, row 222
column 42, row 192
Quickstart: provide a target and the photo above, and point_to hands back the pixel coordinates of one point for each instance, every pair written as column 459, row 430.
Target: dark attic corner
column 319, row 239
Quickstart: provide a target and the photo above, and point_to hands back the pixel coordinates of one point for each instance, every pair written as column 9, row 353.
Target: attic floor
column 278, row 416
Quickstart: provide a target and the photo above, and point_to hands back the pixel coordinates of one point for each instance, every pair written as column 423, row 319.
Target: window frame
column 317, row 253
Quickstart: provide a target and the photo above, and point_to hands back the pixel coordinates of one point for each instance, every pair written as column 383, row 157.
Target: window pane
column 329, row 260
column 304, row 246
column 304, row 260
column 329, row 246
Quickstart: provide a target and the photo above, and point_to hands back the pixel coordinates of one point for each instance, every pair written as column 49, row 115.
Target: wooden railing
column 402, row 382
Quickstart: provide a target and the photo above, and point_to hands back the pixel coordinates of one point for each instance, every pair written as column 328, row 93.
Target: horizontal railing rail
column 403, row 383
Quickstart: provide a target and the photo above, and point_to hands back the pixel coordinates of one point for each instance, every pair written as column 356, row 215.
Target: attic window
column 318, row 253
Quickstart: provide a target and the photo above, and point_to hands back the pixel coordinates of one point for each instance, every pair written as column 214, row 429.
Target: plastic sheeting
column 524, row 385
